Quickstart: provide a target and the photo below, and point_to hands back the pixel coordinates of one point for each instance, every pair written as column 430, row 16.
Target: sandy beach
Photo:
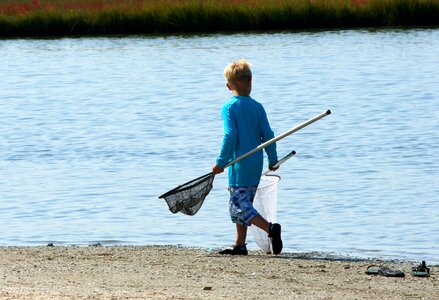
column 167, row 272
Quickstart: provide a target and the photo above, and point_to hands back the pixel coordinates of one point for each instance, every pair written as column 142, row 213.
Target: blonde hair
column 238, row 70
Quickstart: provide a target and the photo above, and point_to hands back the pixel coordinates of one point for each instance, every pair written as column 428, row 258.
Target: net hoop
column 265, row 203
column 267, row 181
column 189, row 197
column 188, row 185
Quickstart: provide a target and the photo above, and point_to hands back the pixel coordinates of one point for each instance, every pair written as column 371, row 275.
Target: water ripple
column 92, row 130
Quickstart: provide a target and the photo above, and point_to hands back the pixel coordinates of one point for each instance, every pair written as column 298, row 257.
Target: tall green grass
column 96, row 17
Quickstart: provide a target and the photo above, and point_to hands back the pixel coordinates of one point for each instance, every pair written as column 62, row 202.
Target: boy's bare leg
column 274, row 233
column 260, row 222
column 241, row 234
column 241, row 230
column 240, row 246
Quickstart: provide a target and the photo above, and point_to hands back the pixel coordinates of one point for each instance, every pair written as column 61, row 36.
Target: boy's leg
column 241, row 211
column 273, row 230
column 241, row 234
column 240, row 247
column 260, row 222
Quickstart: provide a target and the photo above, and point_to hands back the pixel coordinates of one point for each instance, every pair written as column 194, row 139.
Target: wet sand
column 167, row 272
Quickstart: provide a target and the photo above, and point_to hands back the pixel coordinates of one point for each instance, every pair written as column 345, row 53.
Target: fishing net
column 189, row 197
column 265, row 203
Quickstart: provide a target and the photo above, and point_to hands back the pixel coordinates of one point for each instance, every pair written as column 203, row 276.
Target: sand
column 167, row 272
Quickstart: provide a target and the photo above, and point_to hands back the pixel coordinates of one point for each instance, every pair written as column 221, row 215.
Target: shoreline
column 306, row 254
column 219, row 33
column 172, row 272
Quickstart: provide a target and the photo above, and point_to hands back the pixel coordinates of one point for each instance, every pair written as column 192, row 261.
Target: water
column 92, row 130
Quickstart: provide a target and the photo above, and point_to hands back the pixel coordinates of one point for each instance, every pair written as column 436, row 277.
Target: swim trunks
column 241, row 204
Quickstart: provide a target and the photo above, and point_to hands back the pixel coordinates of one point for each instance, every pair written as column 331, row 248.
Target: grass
column 96, row 17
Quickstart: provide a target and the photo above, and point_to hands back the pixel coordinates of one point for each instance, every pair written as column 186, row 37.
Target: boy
column 245, row 127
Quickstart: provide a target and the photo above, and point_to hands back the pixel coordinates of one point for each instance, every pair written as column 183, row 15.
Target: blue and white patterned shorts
column 241, row 204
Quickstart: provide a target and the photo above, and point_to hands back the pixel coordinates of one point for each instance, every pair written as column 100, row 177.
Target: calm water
column 92, row 130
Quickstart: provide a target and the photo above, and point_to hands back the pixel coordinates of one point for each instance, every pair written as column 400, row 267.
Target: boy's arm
column 229, row 139
column 267, row 134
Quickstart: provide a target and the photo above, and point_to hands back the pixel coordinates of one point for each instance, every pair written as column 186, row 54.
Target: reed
column 97, row 17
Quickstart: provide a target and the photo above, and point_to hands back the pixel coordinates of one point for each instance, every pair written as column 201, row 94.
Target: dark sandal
column 275, row 237
column 421, row 271
column 372, row 270
column 236, row 250
column 384, row 271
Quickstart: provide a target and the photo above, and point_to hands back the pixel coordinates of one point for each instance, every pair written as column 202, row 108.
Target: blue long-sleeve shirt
column 245, row 127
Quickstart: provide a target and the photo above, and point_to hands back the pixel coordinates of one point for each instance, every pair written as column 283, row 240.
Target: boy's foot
column 274, row 235
column 236, row 250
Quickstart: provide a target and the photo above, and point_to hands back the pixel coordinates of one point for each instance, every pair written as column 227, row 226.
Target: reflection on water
column 92, row 130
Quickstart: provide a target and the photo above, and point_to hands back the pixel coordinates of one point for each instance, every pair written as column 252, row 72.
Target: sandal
column 372, row 270
column 421, row 271
column 384, row 271
column 236, row 250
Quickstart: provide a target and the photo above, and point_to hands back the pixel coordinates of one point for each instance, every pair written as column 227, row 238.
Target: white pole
column 279, row 137
column 281, row 161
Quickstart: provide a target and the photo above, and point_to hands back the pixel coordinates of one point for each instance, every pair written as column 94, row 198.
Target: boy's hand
column 272, row 168
column 217, row 169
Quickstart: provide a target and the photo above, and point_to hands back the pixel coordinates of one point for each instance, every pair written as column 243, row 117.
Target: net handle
column 280, row 136
column 281, row 161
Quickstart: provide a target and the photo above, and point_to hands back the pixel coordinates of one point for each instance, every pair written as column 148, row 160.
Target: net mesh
column 265, row 203
column 189, row 197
